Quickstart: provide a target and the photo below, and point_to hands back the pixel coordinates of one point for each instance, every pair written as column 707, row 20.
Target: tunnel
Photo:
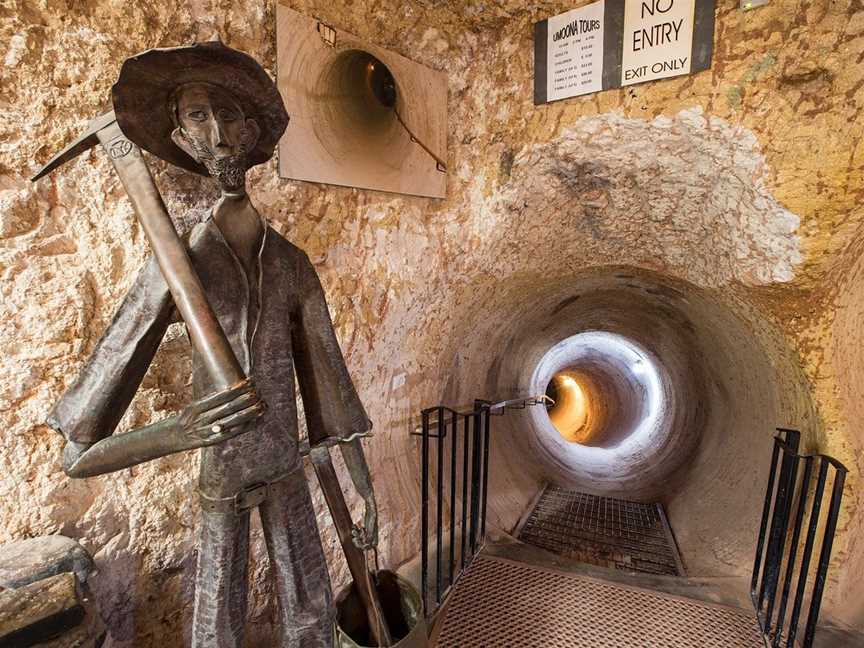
column 662, row 393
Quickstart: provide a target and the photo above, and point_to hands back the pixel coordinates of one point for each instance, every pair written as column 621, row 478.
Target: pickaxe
column 205, row 332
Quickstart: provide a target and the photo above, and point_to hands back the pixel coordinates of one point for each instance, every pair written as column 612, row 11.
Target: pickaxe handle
column 354, row 556
column 205, row 332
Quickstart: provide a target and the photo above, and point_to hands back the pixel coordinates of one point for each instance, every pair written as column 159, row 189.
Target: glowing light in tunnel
column 571, row 410
column 629, row 430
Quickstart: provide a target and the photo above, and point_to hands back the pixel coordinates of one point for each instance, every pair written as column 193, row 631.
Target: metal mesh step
column 502, row 604
column 603, row 531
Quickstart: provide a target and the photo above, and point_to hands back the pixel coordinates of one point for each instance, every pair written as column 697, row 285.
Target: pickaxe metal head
column 88, row 139
column 204, row 329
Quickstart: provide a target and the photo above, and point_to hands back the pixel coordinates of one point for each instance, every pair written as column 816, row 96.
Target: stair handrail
column 495, row 409
column 779, row 499
column 475, row 425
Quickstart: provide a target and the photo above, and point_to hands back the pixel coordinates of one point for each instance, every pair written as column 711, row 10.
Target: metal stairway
column 591, row 571
column 479, row 593
column 603, row 531
column 499, row 603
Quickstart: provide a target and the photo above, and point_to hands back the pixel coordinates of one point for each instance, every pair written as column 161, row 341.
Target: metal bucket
column 403, row 609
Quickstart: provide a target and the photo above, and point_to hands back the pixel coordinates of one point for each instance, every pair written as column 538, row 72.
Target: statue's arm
column 120, row 451
column 94, row 403
column 334, row 412
column 90, row 410
column 358, row 468
column 205, row 422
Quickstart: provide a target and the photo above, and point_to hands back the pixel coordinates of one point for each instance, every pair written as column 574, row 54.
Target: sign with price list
column 616, row 43
column 575, row 52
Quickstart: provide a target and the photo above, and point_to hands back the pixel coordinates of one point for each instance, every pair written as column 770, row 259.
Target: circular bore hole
column 354, row 115
column 615, row 414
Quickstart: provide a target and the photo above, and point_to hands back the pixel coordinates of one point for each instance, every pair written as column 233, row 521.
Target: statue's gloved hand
column 366, row 536
column 220, row 416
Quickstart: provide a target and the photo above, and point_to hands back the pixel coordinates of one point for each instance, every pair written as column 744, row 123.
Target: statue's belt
column 246, row 498
column 253, row 495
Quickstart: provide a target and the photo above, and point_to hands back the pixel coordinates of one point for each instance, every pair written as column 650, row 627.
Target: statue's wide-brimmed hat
column 143, row 92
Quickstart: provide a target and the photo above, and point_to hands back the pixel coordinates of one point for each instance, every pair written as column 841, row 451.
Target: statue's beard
column 228, row 171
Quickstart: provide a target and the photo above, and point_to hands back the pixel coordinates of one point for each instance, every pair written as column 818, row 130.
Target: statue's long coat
column 276, row 322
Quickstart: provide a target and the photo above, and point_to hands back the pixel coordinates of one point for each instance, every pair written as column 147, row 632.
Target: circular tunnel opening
column 605, row 388
column 631, row 347
column 610, row 403
column 356, row 99
column 680, row 394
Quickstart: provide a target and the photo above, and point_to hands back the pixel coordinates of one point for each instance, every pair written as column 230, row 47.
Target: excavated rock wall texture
column 743, row 180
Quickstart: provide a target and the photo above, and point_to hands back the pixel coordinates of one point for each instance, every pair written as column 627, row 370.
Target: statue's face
column 213, row 129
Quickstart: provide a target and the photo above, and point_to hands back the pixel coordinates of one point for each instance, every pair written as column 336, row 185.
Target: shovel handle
column 205, row 332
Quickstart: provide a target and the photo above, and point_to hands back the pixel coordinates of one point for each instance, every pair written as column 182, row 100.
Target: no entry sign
column 616, row 43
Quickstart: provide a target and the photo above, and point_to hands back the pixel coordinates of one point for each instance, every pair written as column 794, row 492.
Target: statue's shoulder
column 201, row 235
column 285, row 248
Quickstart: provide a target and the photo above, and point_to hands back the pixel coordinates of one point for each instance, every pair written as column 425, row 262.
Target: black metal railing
column 462, row 463
column 796, row 485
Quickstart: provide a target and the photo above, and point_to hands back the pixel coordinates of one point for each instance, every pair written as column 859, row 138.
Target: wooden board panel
column 338, row 133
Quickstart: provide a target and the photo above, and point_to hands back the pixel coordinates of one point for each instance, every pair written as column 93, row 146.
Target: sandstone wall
column 742, row 181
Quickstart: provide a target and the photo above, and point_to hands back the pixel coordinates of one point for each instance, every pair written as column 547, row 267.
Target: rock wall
column 742, row 180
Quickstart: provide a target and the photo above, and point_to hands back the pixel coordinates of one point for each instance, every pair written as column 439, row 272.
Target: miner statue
column 215, row 111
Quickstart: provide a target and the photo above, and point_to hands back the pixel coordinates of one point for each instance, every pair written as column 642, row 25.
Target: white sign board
column 615, row 43
column 575, row 52
column 658, row 39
